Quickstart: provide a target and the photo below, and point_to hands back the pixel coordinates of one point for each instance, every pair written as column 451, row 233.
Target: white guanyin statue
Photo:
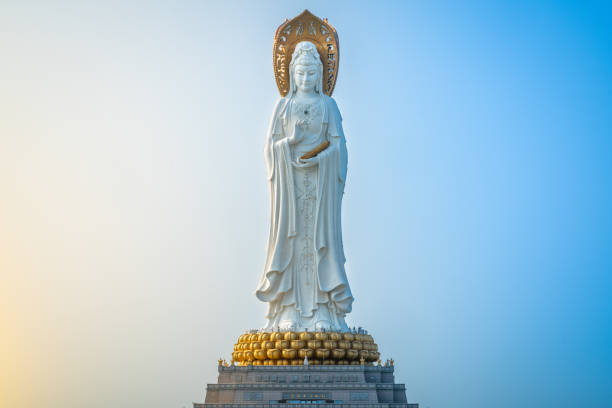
column 304, row 280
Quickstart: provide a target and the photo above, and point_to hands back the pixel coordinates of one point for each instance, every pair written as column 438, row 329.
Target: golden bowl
column 368, row 338
column 303, row 353
column 352, row 354
column 238, row 355
column 248, row 355
column 274, row 354
column 364, row 354
column 348, row 336
column 330, row 344
column 314, row 344
column 321, row 336
column 282, row 362
column 322, row 354
column 267, row 345
column 298, row 344
column 338, row 354
column 314, row 362
column 282, row 344
column 260, row 354
column 306, row 336
column 356, row 345
column 344, row 344
column 297, row 362
column 276, row 336
column 335, row 336
column 289, row 354
column 356, row 362
column 329, row 362
column 374, row 356
column 264, row 336
column 253, row 337
column 291, row 336
column 255, row 345
column 342, row 362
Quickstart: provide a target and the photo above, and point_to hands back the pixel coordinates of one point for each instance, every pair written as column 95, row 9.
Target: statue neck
column 299, row 94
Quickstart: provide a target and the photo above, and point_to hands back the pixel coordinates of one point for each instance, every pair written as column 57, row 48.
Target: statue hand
column 298, row 132
column 304, row 163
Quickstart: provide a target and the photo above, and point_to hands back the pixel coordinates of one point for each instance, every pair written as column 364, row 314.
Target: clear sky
column 134, row 206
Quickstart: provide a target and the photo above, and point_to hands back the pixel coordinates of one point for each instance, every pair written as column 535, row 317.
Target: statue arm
column 337, row 140
column 274, row 131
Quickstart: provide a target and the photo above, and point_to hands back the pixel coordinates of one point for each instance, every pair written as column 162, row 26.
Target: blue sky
column 477, row 222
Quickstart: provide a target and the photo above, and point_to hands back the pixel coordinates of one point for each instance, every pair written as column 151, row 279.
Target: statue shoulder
column 330, row 100
column 280, row 104
column 276, row 120
column 332, row 105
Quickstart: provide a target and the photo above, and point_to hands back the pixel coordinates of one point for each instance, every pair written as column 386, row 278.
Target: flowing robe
column 279, row 285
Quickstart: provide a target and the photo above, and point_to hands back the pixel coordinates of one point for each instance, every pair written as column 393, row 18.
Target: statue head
column 305, row 69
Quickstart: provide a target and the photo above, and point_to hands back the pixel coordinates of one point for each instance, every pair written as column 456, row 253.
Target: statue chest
column 311, row 113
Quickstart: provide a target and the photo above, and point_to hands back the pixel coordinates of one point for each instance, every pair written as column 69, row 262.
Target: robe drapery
column 278, row 285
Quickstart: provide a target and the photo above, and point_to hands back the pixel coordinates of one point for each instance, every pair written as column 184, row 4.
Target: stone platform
column 338, row 386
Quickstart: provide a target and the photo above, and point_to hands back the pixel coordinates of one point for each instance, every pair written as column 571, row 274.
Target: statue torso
column 310, row 111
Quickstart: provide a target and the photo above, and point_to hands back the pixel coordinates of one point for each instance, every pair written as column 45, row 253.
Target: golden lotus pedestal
column 293, row 348
column 279, row 369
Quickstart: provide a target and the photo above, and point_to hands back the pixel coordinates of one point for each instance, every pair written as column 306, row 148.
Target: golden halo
column 306, row 27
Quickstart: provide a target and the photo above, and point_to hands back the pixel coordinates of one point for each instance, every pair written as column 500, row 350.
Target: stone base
column 283, row 386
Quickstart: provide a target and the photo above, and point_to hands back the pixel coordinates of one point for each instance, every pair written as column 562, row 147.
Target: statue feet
column 288, row 319
column 322, row 319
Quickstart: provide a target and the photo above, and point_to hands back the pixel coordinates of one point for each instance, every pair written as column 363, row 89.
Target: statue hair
column 305, row 50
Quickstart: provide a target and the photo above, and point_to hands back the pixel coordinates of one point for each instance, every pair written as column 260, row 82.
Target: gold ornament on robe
column 306, row 27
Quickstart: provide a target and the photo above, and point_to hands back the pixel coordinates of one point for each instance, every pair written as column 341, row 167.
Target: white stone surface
column 304, row 279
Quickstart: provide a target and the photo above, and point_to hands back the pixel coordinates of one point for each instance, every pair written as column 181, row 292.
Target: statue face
column 306, row 77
